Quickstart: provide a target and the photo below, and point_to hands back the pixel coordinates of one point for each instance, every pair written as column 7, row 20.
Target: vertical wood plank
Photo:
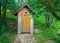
column 25, row 20
column 19, row 23
column 31, row 25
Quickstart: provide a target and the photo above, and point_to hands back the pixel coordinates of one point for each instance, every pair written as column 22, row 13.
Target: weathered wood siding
column 31, row 25
column 24, row 21
column 19, row 23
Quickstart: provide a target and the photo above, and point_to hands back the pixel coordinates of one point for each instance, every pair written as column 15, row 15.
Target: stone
column 25, row 38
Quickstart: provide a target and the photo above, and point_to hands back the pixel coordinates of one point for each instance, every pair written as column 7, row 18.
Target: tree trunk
column 48, row 22
column 4, row 12
column 0, row 17
column 4, row 16
column 0, row 9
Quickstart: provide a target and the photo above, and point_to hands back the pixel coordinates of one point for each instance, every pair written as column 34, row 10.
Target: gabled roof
column 25, row 5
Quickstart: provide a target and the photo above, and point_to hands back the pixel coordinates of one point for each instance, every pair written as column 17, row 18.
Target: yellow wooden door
column 26, row 23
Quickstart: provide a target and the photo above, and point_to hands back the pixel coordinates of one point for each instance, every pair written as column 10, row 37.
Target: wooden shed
column 25, row 20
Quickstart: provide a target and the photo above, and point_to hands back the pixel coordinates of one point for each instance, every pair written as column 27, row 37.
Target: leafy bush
column 57, row 39
column 39, row 37
column 49, row 33
column 6, row 37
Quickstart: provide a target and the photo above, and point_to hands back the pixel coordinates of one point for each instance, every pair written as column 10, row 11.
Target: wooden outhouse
column 25, row 20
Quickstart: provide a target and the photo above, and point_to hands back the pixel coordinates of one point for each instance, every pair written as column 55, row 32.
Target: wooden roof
column 25, row 5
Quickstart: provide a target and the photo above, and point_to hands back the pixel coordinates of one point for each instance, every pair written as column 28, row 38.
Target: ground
column 25, row 38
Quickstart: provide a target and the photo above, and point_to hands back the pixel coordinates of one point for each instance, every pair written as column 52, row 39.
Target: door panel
column 26, row 23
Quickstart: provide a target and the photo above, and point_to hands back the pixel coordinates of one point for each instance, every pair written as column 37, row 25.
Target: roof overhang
column 25, row 5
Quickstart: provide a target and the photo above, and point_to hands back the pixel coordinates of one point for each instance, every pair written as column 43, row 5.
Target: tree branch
column 51, row 10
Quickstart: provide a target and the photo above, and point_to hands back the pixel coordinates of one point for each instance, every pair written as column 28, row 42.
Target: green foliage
column 49, row 33
column 10, row 15
column 56, row 24
column 40, row 38
column 42, row 12
column 39, row 21
column 6, row 38
column 57, row 39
